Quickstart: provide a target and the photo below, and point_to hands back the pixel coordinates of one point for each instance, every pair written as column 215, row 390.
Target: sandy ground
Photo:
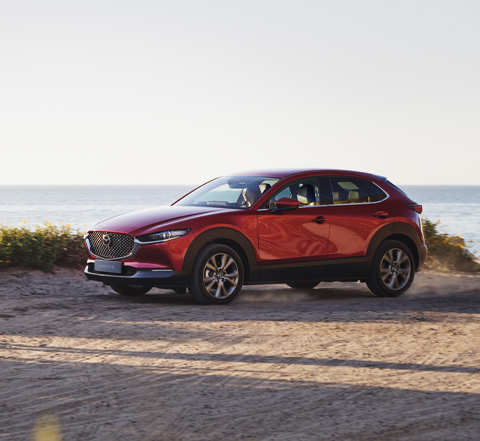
column 335, row 363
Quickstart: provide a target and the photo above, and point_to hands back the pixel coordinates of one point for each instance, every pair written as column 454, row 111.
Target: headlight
column 163, row 236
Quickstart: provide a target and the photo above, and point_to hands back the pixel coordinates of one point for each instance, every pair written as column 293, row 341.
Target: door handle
column 381, row 214
column 319, row 220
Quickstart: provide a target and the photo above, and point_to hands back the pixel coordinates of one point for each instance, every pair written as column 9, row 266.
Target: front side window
column 305, row 191
column 229, row 192
column 355, row 191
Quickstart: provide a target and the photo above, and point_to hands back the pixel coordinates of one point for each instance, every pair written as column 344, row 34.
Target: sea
column 456, row 209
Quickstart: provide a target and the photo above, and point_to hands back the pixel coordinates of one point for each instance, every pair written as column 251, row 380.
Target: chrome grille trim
column 119, row 246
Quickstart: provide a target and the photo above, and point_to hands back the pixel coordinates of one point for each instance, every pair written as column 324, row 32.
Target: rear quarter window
column 375, row 193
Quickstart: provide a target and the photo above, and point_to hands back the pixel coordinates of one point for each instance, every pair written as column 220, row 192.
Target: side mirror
column 284, row 204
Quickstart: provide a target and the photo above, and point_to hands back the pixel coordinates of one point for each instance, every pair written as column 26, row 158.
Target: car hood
column 149, row 220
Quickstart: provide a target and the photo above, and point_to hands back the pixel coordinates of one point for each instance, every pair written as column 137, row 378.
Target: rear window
column 395, row 187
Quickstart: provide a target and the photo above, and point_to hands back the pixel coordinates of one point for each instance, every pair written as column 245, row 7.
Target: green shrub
column 447, row 253
column 42, row 248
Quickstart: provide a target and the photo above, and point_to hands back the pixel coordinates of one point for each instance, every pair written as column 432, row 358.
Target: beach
column 334, row 363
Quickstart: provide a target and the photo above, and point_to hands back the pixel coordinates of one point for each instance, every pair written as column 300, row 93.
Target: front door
column 293, row 244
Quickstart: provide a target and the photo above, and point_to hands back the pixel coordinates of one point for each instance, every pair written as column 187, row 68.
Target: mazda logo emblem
column 107, row 240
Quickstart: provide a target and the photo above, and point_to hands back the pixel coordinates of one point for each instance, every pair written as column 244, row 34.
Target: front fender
column 227, row 236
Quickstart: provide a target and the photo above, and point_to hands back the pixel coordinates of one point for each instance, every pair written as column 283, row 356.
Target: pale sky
column 178, row 92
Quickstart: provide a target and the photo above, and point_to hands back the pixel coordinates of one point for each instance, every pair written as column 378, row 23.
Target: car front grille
column 110, row 245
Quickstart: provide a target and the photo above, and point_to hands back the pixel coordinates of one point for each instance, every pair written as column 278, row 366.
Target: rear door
column 354, row 215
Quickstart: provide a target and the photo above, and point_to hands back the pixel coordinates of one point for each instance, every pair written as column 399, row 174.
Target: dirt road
column 335, row 363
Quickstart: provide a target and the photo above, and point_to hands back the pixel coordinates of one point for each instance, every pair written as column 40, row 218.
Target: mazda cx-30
column 298, row 227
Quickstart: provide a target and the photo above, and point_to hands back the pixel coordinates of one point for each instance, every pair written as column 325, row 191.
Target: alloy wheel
column 220, row 276
column 395, row 269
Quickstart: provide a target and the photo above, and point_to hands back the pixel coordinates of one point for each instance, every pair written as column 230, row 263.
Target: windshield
column 229, row 192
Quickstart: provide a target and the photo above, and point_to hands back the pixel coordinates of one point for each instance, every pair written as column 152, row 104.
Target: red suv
column 298, row 227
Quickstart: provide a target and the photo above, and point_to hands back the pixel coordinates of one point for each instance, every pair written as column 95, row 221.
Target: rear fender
column 397, row 231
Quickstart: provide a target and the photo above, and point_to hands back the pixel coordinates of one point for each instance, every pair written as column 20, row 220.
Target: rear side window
column 355, row 191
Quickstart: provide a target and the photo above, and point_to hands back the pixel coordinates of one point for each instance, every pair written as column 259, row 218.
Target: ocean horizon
column 455, row 207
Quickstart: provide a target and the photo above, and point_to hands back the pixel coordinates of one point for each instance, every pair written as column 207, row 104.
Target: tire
column 393, row 269
column 217, row 275
column 131, row 290
column 303, row 285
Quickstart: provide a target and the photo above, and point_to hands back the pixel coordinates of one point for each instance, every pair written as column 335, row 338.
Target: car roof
column 284, row 173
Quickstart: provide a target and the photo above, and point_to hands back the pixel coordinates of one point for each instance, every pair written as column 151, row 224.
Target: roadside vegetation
column 48, row 246
column 43, row 247
column 447, row 253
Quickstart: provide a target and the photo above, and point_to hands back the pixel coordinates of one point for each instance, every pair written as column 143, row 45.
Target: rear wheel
column 393, row 269
column 303, row 285
column 131, row 290
column 217, row 275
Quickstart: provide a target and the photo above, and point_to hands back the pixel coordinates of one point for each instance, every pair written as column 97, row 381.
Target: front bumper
column 160, row 278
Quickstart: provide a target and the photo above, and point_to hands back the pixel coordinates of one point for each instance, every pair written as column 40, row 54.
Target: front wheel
column 131, row 290
column 393, row 269
column 217, row 275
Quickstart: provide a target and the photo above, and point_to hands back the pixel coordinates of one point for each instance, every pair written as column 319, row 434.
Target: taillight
column 416, row 208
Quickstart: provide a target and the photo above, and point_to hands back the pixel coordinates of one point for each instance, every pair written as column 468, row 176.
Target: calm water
column 457, row 207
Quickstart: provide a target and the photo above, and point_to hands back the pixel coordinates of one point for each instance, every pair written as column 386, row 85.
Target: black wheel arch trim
column 229, row 237
column 404, row 233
